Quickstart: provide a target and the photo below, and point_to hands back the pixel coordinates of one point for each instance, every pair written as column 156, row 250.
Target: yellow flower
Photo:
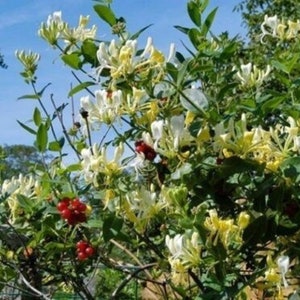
column 243, row 220
column 272, row 276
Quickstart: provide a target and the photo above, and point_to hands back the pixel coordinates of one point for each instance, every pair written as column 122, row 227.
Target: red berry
column 89, row 251
column 76, row 203
column 81, row 256
column 72, row 220
column 66, row 214
column 81, row 207
column 61, row 206
column 150, row 154
column 81, row 217
column 148, row 151
column 82, row 245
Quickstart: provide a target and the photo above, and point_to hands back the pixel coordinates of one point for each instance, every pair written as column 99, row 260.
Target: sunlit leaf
column 106, row 14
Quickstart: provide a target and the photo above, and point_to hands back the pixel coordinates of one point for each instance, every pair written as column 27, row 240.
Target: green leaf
column 194, row 13
column 41, row 92
column 183, row 170
column 193, row 100
column 172, row 71
column 27, row 128
column 111, row 227
column 236, row 165
column 204, row 4
column 194, row 36
column 208, row 22
column 73, row 167
column 89, row 52
column 106, row 14
column 56, row 145
column 255, row 230
column 280, row 66
column 80, row 87
column 42, row 138
column 34, row 96
column 72, row 60
column 137, row 34
column 272, row 103
column 185, row 30
column 37, row 117
column 291, row 168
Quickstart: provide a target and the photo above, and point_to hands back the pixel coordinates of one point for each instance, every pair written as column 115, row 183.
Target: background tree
column 253, row 12
column 16, row 159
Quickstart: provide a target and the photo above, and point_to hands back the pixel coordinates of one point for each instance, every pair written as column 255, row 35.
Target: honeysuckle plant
column 186, row 172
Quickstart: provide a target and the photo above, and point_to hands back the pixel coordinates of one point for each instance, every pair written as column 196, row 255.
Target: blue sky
column 20, row 20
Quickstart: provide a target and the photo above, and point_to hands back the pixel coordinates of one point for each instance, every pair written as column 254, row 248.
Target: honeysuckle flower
column 179, row 273
column 175, row 245
column 272, row 276
column 226, row 230
column 51, row 30
column 105, row 109
column 282, row 30
column 134, row 102
column 95, row 162
column 26, row 186
column 144, row 204
column 269, row 26
column 251, row 76
column 55, row 18
column 185, row 254
column 283, row 263
column 55, row 29
column 30, row 62
column 123, row 60
column 157, row 132
column 177, row 130
column 243, row 220
column 293, row 29
column 184, row 248
column 72, row 36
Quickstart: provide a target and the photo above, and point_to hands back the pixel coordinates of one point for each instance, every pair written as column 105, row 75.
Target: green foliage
column 200, row 198
column 24, row 159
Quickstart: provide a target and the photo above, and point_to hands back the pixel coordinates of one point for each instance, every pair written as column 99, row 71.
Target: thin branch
column 44, row 108
column 128, row 278
column 60, row 118
column 78, row 79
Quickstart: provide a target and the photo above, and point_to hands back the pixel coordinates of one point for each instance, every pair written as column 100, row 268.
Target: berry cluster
column 148, row 151
column 72, row 210
column 84, row 250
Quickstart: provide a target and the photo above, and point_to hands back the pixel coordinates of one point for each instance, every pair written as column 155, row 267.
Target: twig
column 128, row 278
column 59, row 116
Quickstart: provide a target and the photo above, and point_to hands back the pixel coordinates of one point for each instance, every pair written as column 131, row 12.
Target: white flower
column 105, row 109
column 175, row 245
column 250, row 76
column 269, row 26
column 283, row 263
column 186, row 248
column 177, row 129
column 157, row 132
column 95, row 162
column 56, row 18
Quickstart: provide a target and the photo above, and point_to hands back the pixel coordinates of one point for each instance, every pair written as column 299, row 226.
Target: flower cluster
column 185, row 254
column 250, row 76
column 124, row 61
column 16, row 188
column 226, row 231
column 265, row 146
column 197, row 170
column 272, row 26
column 56, row 29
